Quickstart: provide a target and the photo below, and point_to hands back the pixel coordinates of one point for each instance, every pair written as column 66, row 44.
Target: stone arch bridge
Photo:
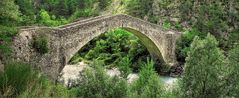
column 64, row 41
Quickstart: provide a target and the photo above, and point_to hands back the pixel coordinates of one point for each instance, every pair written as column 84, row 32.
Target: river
column 70, row 73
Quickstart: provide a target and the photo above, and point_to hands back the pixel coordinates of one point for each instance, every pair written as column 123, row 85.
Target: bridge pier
column 169, row 47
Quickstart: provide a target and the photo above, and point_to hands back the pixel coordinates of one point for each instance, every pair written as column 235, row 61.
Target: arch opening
column 116, row 45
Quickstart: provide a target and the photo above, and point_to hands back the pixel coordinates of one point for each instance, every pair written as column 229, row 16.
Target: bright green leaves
column 48, row 20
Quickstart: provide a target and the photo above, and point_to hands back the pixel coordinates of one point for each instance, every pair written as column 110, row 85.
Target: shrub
column 94, row 83
column 6, row 36
column 124, row 66
column 9, row 12
column 46, row 19
column 184, row 42
column 46, row 89
column 148, row 85
column 40, row 43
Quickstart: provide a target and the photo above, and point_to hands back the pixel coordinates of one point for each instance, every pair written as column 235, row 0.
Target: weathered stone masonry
column 65, row 41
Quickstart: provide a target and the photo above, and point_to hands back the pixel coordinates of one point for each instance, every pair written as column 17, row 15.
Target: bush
column 184, row 42
column 124, row 67
column 40, row 43
column 148, row 85
column 9, row 12
column 46, row 19
column 94, row 83
column 6, row 36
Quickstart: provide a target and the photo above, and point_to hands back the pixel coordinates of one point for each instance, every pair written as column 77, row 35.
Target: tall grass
column 22, row 81
column 15, row 78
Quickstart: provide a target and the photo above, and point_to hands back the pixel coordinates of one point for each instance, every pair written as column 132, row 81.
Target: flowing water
column 168, row 81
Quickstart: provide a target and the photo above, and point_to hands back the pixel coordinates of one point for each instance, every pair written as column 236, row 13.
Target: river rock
column 132, row 77
column 176, row 71
column 71, row 73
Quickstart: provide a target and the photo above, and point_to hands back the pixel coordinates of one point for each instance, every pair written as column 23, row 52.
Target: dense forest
column 208, row 49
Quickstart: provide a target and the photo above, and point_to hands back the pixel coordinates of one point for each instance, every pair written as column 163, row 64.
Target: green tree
column 233, row 84
column 204, row 69
column 8, row 11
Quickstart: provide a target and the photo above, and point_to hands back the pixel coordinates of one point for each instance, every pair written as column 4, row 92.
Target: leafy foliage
column 40, row 43
column 148, row 84
column 124, row 67
column 9, row 11
column 6, row 34
column 204, row 65
column 94, row 83
column 184, row 42
column 46, row 19
column 112, row 48
column 232, row 83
